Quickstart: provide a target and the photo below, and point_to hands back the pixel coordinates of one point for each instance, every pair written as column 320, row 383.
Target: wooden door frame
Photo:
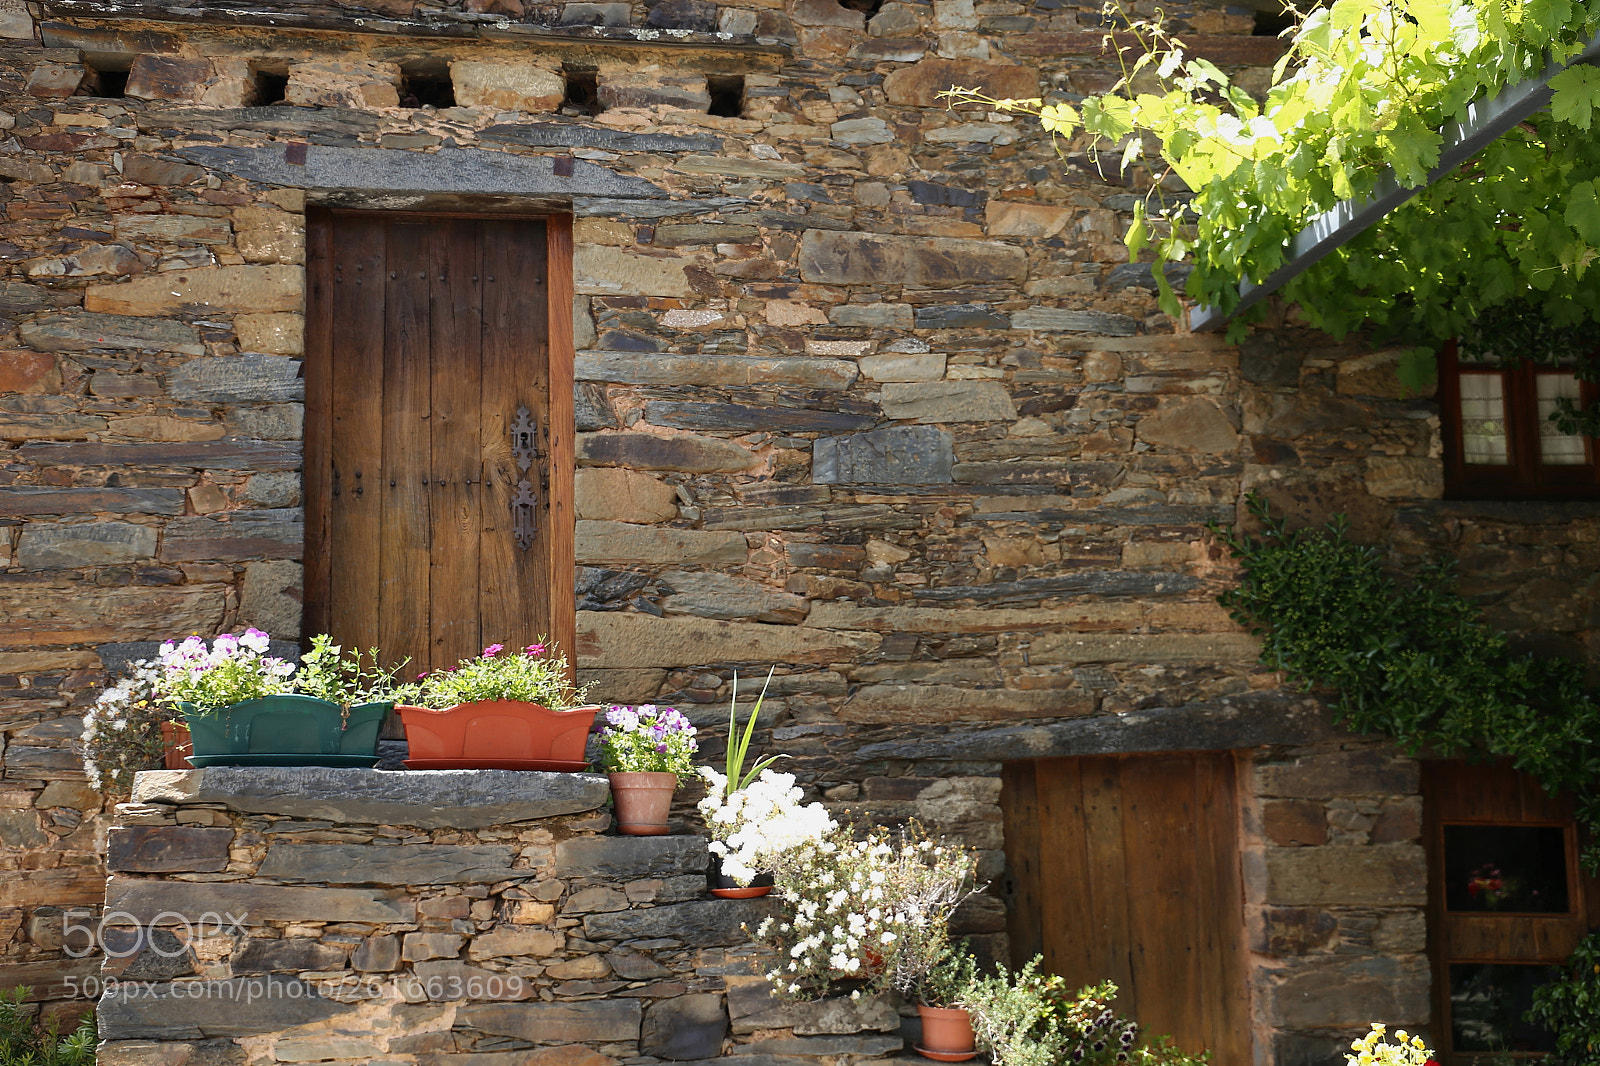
column 561, row 423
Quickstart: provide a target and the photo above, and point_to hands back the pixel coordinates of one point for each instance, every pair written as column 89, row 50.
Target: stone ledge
column 428, row 799
column 1235, row 722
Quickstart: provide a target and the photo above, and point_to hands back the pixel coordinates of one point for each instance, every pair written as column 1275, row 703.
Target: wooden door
column 1507, row 903
column 1127, row 868
column 439, row 433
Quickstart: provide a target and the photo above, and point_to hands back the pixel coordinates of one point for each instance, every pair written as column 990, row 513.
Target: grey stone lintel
column 1485, row 121
column 428, row 799
column 456, row 171
column 1224, row 725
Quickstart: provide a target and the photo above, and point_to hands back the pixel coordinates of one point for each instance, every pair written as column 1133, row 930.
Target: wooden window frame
column 1453, row 934
column 562, row 447
column 1523, row 477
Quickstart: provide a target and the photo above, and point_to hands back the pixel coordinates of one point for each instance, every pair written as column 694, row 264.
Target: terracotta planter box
column 286, row 730
column 497, row 735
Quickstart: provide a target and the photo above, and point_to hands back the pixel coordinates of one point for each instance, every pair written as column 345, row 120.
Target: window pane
column 1487, row 1002
column 1509, row 869
column 1555, row 447
column 1483, row 419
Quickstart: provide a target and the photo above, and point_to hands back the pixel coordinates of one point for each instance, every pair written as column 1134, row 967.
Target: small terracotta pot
column 642, row 801
column 178, row 746
column 946, row 1031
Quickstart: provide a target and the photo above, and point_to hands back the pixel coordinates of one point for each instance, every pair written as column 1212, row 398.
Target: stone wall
column 443, row 918
column 866, row 390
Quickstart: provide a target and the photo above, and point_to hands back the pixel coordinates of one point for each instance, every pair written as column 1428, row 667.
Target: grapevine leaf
column 1577, row 94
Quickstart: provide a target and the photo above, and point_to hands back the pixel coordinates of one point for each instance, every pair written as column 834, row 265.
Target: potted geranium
column 239, row 704
column 516, row 710
column 643, row 750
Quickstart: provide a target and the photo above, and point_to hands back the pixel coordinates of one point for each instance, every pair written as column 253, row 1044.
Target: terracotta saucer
column 947, row 1056
column 742, row 893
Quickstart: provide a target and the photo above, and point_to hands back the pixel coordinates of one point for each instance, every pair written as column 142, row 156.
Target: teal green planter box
column 289, row 730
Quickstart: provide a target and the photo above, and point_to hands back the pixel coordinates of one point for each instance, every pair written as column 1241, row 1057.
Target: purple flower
column 255, row 640
column 534, row 649
column 492, row 650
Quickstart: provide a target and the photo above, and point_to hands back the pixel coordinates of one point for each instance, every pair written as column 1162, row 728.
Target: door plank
column 455, row 339
column 405, row 485
column 1106, row 874
column 1063, row 856
column 355, row 458
column 1019, row 806
column 515, row 593
column 561, row 563
column 1220, row 883
column 318, row 371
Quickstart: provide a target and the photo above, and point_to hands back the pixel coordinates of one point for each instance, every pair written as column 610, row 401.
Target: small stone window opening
column 582, row 93
column 1271, row 23
column 866, row 7
column 727, row 95
column 271, row 85
column 427, row 84
column 108, row 75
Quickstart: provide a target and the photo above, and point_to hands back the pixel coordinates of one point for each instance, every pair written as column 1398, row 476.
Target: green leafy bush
column 1413, row 659
column 24, row 1041
column 1570, row 1007
column 349, row 676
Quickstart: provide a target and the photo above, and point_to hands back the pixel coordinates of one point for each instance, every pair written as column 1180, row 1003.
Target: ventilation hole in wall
column 1271, row 23
column 427, row 88
column 271, row 88
column 727, row 95
column 582, row 93
column 866, row 7
column 108, row 75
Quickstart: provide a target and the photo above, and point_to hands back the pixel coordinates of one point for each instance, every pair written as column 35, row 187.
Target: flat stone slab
column 242, row 1006
column 1241, row 722
column 428, row 799
column 391, row 864
column 703, row 923
column 449, row 170
column 629, row 857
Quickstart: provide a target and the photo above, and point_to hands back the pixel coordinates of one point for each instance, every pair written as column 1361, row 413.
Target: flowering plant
column 122, row 729
column 752, row 827
column 331, row 673
column 232, row 669
column 875, row 908
column 1374, row 1049
column 535, row 674
column 647, row 739
column 739, row 743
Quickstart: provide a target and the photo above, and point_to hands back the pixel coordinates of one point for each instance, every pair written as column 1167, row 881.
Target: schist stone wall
column 866, row 389
column 443, row 918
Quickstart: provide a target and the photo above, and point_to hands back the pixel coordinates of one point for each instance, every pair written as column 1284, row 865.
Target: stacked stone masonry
column 269, row 917
column 866, row 389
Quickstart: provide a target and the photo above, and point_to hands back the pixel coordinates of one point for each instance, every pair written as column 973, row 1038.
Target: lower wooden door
column 439, row 433
column 1127, row 868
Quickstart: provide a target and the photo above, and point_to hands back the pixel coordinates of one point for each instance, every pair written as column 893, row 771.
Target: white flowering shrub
column 752, row 828
column 122, row 730
column 875, row 909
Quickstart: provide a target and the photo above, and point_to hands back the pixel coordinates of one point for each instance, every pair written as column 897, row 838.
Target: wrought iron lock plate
column 525, row 500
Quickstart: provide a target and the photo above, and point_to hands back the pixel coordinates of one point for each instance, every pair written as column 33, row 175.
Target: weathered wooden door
column 1127, row 868
column 438, row 432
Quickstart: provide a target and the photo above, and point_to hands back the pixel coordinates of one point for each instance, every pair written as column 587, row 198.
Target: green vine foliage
column 1363, row 91
column 1570, row 1007
column 1412, row 659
